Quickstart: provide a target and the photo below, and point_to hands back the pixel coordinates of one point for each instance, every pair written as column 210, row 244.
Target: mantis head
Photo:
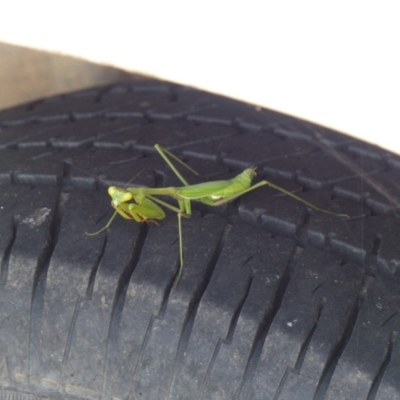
column 119, row 195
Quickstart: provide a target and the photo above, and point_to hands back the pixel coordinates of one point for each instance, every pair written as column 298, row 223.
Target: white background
column 335, row 63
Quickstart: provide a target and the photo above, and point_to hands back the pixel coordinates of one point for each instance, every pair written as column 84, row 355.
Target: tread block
column 321, row 170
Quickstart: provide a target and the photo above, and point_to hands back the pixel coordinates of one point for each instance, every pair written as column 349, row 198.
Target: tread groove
column 71, row 331
column 306, row 344
column 265, row 325
column 389, row 318
column 95, row 268
column 228, row 339
column 5, row 261
column 192, row 309
column 120, row 296
column 39, row 283
column 341, row 344
column 377, row 380
column 140, row 357
column 236, row 314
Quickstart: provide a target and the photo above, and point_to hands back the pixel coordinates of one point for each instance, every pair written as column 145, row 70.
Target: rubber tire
column 277, row 301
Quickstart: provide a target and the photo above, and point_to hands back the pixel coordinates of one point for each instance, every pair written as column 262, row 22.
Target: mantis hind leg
column 307, row 203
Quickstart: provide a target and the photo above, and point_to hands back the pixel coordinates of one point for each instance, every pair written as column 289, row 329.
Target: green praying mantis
column 141, row 204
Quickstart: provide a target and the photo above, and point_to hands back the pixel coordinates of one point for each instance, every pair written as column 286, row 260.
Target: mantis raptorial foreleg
column 142, row 204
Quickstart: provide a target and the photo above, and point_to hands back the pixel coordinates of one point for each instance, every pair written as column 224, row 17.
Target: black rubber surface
column 276, row 301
